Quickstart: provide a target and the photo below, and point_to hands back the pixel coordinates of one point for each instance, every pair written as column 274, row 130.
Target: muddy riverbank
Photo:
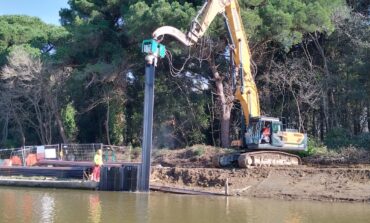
column 343, row 177
column 300, row 183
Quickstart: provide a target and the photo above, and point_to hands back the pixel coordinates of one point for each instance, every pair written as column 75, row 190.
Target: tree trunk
column 225, row 127
column 5, row 128
column 23, row 137
column 314, row 131
column 322, row 123
column 61, row 127
column 226, row 105
column 368, row 117
column 327, row 92
column 58, row 118
column 107, row 123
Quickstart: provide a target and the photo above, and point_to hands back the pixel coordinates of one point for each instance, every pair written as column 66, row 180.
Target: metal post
column 147, row 124
column 23, row 155
column 227, row 187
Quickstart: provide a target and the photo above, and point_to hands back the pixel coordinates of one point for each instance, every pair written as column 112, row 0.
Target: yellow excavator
column 264, row 141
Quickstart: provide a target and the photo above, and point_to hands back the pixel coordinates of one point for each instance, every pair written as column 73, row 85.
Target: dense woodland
column 83, row 81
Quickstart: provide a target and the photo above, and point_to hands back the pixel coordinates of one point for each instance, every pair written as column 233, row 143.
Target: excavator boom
column 247, row 93
column 265, row 149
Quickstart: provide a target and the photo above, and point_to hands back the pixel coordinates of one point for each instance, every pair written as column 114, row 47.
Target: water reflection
column 293, row 217
column 27, row 206
column 47, row 208
column 43, row 205
column 8, row 206
column 94, row 208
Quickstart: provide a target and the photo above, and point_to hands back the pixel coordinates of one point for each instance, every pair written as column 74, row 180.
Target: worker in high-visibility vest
column 98, row 162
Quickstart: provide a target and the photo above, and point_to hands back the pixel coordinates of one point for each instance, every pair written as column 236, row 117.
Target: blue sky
column 46, row 10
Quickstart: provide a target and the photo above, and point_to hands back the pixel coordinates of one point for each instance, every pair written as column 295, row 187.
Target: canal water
column 56, row 205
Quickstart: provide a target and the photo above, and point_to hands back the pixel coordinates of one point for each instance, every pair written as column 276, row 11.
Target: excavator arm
column 270, row 150
column 246, row 92
column 199, row 25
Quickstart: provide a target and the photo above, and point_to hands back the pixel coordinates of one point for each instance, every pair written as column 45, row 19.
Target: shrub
column 198, row 152
column 314, row 146
column 337, row 138
column 362, row 141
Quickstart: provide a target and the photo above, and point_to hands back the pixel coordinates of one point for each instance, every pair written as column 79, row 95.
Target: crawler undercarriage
column 256, row 158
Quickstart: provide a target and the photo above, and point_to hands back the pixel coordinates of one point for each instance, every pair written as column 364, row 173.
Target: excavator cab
column 268, row 133
column 260, row 132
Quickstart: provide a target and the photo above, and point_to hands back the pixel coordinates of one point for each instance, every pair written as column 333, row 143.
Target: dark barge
column 71, row 174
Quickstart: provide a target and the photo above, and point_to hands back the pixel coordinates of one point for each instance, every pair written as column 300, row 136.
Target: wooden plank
column 182, row 191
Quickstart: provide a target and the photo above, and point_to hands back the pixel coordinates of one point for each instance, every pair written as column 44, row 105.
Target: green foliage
column 100, row 40
column 156, row 14
column 336, row 140
column 28, row 31
column 287, row 21
column 116, row 124
column 98, row 51
column 69, row 121
column 96, row 27
column 337, row 137
column 314, row 147
column 180, row 117
column 10, row 143
column 252, row 22
column 362, row 141
column 25, row 48
column 198, row 152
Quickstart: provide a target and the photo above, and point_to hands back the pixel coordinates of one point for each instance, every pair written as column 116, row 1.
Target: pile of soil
column 196, row 156
column 320, row 178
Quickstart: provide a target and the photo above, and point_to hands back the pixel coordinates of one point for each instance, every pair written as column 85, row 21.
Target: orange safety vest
column 16, row 161
column 31, row 159
column 266, row 131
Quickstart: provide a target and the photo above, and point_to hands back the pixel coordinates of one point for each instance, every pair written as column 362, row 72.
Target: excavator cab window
column 276, row 138
column 276, row 127
column 253, row 133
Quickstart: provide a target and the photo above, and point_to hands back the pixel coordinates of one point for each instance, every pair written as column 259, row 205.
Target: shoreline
column 334, row 184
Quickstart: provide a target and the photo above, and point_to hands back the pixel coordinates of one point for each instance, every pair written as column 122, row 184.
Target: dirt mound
column 195, row 156
column 190, row 177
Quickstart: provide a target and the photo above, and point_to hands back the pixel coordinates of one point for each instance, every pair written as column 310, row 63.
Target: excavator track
column 268, row 158
column 257, row 158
